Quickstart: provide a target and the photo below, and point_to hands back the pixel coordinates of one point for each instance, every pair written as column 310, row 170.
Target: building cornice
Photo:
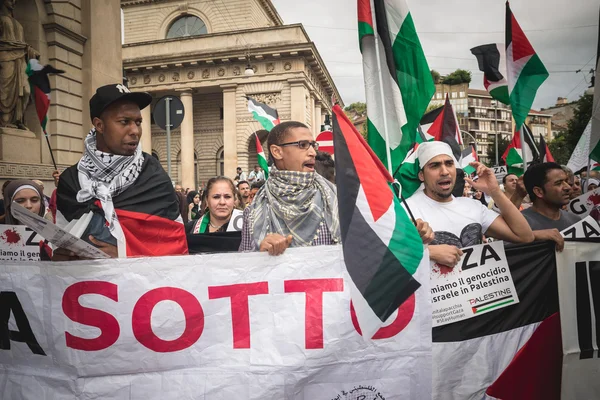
column 271, row 11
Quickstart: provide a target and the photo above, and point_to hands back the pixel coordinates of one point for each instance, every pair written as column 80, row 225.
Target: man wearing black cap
column 117, row 197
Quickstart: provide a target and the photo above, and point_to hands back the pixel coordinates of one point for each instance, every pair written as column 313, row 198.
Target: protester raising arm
column 511, row 225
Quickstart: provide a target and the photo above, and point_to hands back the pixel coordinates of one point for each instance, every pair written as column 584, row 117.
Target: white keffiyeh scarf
column 103, row 176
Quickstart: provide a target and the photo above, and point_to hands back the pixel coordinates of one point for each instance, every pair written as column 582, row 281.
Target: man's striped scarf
column 295, row 203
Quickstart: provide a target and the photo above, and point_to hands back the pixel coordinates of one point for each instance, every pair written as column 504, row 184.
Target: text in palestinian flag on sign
column 481, row 282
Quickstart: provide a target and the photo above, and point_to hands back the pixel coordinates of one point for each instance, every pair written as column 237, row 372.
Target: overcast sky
column 563, row 33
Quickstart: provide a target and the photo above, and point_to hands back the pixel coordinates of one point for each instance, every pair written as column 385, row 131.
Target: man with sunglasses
column 296, row 207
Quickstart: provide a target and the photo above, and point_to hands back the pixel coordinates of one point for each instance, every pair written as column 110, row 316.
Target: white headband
column 21, row 188
column 428, row 150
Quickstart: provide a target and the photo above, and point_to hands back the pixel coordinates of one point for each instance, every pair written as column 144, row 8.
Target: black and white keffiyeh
column 104, row 176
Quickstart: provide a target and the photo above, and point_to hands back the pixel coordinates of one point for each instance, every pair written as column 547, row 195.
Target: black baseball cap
column 108, row 94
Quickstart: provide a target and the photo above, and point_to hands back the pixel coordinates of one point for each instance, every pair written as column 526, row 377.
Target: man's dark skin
column 118, row 131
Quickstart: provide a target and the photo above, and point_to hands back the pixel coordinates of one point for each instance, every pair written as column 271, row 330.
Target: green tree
column 563, row 144
column 491, row 153
column 456, row 77
column 358, row 110
column 436, row 76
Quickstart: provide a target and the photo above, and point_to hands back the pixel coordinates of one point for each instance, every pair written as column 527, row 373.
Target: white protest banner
column 481, row 282
column 220, row 326
column 587, row 228
column 500, row 172
column 55, row 234
column 585, row 203
column 578, row 273
column 19, row 243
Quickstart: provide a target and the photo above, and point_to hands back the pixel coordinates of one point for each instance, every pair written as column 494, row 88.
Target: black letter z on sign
column 10, row 302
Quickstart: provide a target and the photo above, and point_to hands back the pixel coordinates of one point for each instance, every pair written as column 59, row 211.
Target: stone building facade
column 199, row 50
column 68, row 36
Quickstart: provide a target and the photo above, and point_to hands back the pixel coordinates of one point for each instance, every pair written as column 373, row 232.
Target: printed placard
column 19, row 243
column 481, row 282
column 586, row 204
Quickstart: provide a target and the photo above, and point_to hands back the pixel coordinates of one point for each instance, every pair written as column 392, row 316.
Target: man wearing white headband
column 460, row 221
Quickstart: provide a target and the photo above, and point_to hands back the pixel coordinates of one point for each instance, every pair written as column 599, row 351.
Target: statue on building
column 14, row 55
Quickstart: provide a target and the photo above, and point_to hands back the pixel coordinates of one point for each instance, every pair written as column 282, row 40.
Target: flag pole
column 50, row 148
column 385, row 126
column 523, row 152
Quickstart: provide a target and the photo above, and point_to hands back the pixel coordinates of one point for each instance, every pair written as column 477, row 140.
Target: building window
column 187, row 25
column 220, row 162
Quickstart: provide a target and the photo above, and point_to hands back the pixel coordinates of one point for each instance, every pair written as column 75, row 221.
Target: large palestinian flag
column 40, row 88
column 267, row 116
column 526, row 73
column 382, row 248
column 148, row 212
column 511, row 353
column 398, row 83
column 491, row 59
column 441, row 125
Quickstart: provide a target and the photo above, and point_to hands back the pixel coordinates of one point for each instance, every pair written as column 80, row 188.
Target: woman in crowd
column 193, row 199
column 216, row 231
column 592, row 184
column 26, row 193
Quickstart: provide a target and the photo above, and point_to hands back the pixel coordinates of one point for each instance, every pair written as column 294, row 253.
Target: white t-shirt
column 460, row 222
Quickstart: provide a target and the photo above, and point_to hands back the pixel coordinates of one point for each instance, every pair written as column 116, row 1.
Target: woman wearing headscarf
column 193, row 199
column 26, row 193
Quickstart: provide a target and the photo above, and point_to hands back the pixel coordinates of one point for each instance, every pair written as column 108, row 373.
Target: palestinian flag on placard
column 544, row 151
column 40, row 88
column 501, row 353
column 492, row 62
column 468, row 156
column 260, row 154
column 398, row 82
column 441, row 124
column 267, row 116
column 148, row 212
column 513, row 156
column 382, row 248
column 525, row 71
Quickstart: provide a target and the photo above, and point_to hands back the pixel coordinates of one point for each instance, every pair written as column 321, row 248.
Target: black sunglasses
column 302, row 144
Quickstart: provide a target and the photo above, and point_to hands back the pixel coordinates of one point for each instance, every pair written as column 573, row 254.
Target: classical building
column 211, row 54
column 69, row 36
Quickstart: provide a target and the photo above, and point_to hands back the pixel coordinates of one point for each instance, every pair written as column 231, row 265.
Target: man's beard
column 443, row 195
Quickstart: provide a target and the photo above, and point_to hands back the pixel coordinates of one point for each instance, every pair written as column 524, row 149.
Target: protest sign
column 19, row 243
column 222, row 326
column 578, row 272
column 481, row 282
column 585, row 229
column 585, row 204
column 500, row 172
column 55, row 234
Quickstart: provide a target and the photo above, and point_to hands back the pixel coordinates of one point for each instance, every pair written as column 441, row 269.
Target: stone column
column 298, row 99
column 317, row 118
column 146, row 130
column 187, row 141
column 229, row 129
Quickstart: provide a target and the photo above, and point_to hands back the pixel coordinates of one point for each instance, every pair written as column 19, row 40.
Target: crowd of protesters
column 121, row 200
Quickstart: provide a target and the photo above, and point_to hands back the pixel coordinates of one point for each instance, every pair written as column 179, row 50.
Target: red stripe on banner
column 365, row 14
column 379, row 196
column 42, row 103
column 535, row 371
column 151, row 235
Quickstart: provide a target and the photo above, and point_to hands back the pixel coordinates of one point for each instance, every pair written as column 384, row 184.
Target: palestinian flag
column 267, row 116
column 513, row 156
column 544, row 151
column 398, row 82
column 581, row 153
column 148, row 212
column 260, row 154
column 510, row 353
column 526, row 73
column 491, row 59
column 595, row 166
column 382, row 248
column 468, row 156
column 441, row 125
column 40, row 88
column 408, row 174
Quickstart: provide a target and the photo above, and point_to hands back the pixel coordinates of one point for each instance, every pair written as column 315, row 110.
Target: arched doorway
column 220, row 162
column 252, row 153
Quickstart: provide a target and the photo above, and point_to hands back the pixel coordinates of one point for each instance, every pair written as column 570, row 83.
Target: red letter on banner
column 142, row 325
column 108, row 325
column 405, row 314
column 240, row 316
column 314, row 289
